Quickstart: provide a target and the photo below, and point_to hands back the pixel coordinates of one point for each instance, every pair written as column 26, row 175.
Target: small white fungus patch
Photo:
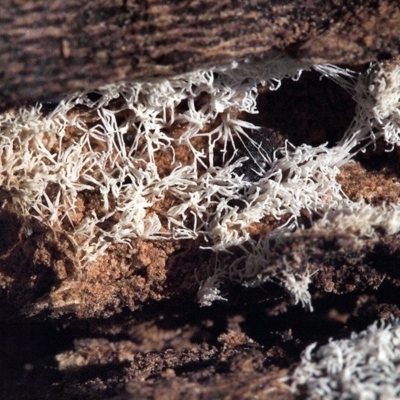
column 364, row 367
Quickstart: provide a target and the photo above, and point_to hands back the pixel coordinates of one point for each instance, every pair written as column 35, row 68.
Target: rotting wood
column 51, row 48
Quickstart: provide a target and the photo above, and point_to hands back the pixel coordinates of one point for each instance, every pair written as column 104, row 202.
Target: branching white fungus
column 46, row 172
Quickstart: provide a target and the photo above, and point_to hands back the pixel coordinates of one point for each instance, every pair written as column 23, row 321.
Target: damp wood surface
column 52, row 48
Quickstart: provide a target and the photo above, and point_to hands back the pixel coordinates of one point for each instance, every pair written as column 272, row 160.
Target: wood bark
column 51, row 48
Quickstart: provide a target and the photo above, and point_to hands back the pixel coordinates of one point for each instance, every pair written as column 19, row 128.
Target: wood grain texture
column 51, row 48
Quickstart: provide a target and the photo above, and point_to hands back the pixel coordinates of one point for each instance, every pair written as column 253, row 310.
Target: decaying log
column 50, row 48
